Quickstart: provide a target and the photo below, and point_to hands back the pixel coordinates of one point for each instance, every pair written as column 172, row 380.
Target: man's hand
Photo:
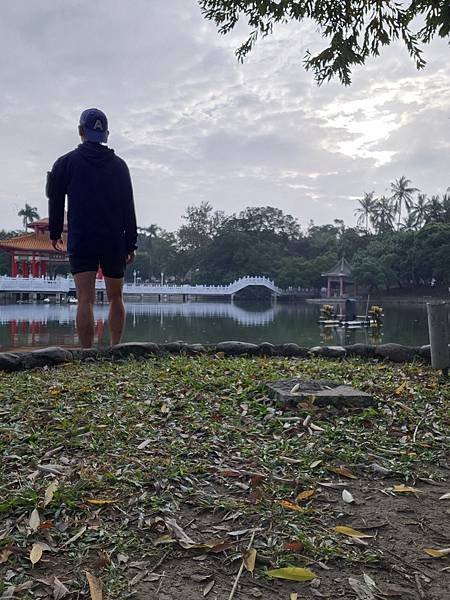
column 58, row 245
column 131, row 256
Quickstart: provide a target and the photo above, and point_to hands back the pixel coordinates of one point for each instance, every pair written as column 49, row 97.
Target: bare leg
column 116, row 320
column 85, row 285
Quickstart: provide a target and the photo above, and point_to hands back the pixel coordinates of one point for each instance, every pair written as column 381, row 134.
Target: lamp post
column 162, row 279
column 134, row 277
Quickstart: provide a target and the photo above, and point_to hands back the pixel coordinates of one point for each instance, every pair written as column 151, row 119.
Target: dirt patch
column 402, row 525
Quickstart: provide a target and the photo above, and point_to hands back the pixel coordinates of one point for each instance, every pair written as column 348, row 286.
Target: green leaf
column 292, row 573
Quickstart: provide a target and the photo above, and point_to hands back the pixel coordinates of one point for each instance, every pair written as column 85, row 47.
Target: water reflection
column 342, row 336
column 27, row 325
column 64, row 314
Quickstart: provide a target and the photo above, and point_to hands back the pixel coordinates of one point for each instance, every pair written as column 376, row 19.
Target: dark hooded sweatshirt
column 101, row 217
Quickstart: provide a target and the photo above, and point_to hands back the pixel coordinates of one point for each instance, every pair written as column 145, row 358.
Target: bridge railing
column 66, row 284
column 34, row 284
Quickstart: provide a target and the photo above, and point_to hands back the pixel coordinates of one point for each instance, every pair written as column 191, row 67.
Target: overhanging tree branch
column 353, row 29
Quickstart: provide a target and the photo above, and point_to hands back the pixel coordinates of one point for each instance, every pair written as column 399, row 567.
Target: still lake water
column 37, row 325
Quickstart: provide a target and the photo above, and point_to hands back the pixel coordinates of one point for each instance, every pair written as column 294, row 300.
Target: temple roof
column 42, row 224
column 30, row 242
column 340, row 269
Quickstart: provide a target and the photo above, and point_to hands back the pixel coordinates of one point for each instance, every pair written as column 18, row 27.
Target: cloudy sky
column 194, row 124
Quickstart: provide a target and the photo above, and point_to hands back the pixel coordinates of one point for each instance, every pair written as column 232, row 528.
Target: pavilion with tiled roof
column 339, row 279
column 31, row 253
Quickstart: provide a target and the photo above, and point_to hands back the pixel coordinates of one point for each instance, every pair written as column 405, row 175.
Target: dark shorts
column 111, row 264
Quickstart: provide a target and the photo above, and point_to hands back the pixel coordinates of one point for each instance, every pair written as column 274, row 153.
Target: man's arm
column 56, row 194
column 129, row 215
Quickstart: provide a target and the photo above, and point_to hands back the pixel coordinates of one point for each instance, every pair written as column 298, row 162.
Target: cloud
column 195, row 125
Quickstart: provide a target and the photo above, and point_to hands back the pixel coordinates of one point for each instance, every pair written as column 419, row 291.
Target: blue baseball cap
column 95, row 125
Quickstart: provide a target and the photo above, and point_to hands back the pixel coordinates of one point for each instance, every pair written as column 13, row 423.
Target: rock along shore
column 45, row 357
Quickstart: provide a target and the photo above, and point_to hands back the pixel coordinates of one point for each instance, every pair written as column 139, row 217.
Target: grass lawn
column 154, row 478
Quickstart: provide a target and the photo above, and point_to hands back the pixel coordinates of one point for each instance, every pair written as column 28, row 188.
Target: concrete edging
column 46, row 357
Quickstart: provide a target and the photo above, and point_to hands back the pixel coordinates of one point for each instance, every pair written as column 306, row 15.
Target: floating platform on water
column 351, row 324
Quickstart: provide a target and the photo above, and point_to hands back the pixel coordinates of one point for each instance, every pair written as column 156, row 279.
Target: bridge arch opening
column 254, row 292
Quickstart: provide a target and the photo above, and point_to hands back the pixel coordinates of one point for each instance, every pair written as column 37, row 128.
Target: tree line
column 399, row 241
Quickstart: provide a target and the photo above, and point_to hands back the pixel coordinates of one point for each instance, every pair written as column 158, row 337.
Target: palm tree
column 364, row 210
column 28, row 214
column 383, row 215
column 150, row 232
column 419, row 210
column 446, row 208
column 402, row 194
column 436, row 211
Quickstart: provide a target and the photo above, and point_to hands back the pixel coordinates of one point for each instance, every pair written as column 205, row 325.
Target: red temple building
column 32, row 254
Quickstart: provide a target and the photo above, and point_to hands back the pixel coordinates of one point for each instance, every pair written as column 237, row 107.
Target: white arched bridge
column 66, row 285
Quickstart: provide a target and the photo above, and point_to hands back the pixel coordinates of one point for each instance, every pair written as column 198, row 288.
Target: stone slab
column 322, row 393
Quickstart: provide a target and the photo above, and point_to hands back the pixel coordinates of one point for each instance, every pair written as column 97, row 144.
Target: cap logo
column 98, row 125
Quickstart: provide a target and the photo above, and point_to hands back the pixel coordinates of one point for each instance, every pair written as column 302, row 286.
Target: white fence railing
column 34, row 284
column 67, row 284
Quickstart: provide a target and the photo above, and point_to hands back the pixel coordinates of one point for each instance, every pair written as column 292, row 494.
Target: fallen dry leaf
column 122, row 558
column 347, row 497
column 405, row 489
column 11, row 591
column 34, row 521
column 181, row 536
column 315, row 427
column 369, row 581
column 137, row 578
column 153, row 577
column 362, row 590
column 230, row 473
column 305, row 495
column 50, row 491
column 350, row 532
column 445, row 496
column 75, row 537
column 99, row 501
column 342, row 471
column 208, row 587
column 400, row 388
column 36, row 553
column 221, row 546
column 198, row 578
column 397, row 591
column 291, row 461
column 294, row 596
column 435, row 553
column 144, row 444
column 59, row 589
column 294, row 546
column 165, row 539
column 289, row 505
column 95, row 586
column 5, row 554
column 292, row 573
column 250, row 559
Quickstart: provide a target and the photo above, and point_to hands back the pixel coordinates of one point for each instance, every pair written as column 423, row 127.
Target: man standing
column 101, row 221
